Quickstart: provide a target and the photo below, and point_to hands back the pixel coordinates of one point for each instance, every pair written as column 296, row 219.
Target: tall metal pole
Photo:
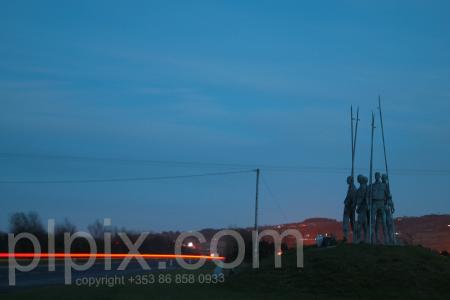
column 353, row 142
column 382, row 136
column 386, row 165
column 256, row 200
column 370, row 179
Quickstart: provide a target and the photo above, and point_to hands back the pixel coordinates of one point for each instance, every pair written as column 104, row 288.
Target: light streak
column 32, row 255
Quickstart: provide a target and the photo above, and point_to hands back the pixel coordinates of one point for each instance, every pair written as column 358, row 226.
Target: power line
column 337, row 170
column 270, row 168
column 123, row 160
column 266, row 185
column 129, row 179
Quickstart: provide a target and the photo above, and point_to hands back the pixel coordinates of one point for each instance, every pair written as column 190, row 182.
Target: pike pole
column 386, row 166
column 382, row 137
column 354, row 133
column 370, row 179
column 353, row 143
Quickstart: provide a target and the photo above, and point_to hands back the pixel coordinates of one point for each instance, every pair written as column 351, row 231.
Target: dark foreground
column 343, row 272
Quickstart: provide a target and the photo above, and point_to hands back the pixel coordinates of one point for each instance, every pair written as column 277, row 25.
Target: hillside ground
column 342, row 272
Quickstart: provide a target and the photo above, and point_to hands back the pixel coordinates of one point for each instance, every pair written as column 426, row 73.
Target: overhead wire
column 196, row 164
column 274, row 198
column 124, row 179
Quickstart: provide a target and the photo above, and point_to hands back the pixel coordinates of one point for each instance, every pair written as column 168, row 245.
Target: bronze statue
column 349, row 208
column 389, row 208
column 362, row 208
column 380, row 195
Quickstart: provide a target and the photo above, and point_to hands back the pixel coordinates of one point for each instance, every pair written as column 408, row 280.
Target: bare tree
column 65, row 226
column 96, row 229
column 31, row 223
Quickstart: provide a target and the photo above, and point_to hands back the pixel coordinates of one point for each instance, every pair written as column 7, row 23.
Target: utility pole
column 256, row 200
column 370, row 179
column 255, row 231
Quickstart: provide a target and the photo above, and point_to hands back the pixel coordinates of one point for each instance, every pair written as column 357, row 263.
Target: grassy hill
column 343, row 272
column 355, row 272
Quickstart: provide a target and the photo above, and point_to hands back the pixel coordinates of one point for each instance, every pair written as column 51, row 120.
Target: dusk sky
column 108, row 89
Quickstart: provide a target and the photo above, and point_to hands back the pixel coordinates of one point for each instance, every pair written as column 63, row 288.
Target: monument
column 372, row 200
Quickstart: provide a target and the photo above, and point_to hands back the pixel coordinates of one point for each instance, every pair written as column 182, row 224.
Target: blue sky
column 244, row 82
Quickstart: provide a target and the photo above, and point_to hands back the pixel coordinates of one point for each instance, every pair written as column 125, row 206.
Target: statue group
column 371, row 201
column 373, row 206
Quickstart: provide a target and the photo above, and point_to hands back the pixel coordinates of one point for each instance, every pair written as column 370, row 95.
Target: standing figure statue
column 362, row 208
column 380, row 196
column 389, row 207
column 349, row 209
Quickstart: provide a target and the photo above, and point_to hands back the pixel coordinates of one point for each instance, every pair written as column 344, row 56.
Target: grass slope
column 343, row 272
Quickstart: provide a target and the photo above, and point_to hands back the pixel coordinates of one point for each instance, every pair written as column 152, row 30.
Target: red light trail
column 106, row 255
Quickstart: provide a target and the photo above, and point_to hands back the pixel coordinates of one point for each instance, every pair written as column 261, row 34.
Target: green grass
column 343, row 272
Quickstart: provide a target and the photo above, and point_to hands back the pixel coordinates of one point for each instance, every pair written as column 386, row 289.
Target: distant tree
column 96, row 229
column 28, row 223
column 60, row 229
column 65, row 226
column 31, row 223
column 3, row 242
